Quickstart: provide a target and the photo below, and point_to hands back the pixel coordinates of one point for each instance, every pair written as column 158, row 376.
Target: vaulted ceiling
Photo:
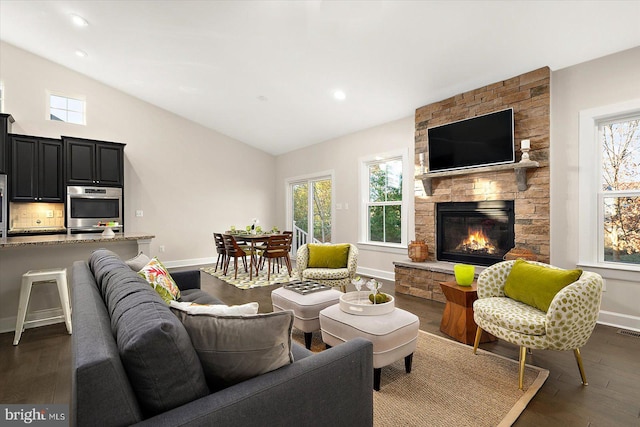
column 265, row 72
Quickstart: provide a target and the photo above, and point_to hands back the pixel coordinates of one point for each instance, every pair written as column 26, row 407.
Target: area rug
column 450, row 386
column 243, row 282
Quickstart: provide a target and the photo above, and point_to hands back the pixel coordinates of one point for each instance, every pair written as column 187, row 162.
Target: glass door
column 311, row 211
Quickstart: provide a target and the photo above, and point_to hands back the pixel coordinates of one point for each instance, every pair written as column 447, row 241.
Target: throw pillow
column 537, row 285
column 159, row 278
column 138, row 262
column 233, row 349
column 216, row 309
column 328, row 256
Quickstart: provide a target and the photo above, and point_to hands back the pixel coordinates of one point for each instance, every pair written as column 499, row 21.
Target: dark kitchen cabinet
column 90, row 162
column 36, row 169
column 5, row 127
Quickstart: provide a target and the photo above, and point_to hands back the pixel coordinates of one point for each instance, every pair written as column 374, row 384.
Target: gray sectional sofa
column 134, row 363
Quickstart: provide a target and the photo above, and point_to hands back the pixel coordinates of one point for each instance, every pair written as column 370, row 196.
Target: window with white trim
column 619, row 195
column 384, row 212
column 65, row 109
column 609, row 177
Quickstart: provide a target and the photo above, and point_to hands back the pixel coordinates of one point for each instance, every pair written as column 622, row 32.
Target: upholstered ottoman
column 305, row 308
column 394, row 335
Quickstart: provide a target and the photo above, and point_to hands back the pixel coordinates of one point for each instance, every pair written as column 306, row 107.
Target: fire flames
column 476, row 242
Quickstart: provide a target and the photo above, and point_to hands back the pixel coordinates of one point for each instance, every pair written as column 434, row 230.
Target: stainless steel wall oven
column 91, row 208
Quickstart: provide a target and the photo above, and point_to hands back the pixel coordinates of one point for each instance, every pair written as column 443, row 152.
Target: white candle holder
column 422, row 169
column 525, row 146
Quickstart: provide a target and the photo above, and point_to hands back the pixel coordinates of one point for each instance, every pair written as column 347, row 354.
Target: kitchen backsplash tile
column 30, row 215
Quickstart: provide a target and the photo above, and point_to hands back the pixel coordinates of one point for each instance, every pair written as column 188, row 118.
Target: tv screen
column 478, row 141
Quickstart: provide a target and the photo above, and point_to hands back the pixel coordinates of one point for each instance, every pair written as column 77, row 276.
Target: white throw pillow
column 216, row 309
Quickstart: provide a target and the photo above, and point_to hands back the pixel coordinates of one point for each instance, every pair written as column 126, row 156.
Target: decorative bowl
column 351, row 304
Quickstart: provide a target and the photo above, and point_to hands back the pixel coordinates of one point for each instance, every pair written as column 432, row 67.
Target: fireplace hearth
column 478, row 233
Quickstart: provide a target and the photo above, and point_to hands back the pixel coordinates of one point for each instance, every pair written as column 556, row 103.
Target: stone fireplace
column 527, row 189
column 478, row 233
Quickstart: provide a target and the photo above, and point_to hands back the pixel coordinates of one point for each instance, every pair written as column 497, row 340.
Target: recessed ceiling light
column 79, row 20
column 339, row 95
column 81, row 53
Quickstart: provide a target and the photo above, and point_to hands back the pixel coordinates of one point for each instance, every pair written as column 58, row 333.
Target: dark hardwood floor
column 38, row 370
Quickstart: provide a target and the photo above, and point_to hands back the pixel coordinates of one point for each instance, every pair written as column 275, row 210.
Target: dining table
column 252, row 239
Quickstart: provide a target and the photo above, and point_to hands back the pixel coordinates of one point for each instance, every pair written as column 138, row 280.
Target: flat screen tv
column 478, row 141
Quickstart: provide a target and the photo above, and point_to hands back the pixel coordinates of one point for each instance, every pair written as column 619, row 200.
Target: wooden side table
column 457, row 319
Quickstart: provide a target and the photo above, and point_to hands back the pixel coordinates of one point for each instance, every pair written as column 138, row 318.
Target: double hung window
column 384, row 206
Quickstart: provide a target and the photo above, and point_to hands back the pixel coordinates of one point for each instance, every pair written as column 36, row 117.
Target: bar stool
column 36, row 277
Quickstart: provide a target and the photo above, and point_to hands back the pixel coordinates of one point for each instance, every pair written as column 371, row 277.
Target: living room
column 190, row 180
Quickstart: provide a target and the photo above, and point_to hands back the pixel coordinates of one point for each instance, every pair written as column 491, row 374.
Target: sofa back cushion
column 154, row 347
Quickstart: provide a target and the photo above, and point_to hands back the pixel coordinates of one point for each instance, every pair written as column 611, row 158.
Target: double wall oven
column 93, row 208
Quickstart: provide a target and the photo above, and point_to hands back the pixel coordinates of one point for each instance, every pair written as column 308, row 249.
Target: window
column 610, row 199
column 619, row 196
column 384, row 212
column 65, row 109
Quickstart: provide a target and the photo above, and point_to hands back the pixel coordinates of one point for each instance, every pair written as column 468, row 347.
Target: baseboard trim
column 378, row 274
column 39, row 318
column 619, row 320
column 189, row 262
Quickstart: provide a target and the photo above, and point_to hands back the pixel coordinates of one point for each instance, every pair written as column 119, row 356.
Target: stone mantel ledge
column 435, row 266
column 70, row 239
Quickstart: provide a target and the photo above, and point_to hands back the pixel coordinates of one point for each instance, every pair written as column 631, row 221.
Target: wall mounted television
column 478, row 141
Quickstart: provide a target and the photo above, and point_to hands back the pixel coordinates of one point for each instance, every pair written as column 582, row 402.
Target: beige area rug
column 243, row 282
column 450, row 386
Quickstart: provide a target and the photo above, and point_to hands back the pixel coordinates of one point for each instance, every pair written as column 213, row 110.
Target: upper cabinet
column 90, row 162
column 36, row 169
column 5, row 127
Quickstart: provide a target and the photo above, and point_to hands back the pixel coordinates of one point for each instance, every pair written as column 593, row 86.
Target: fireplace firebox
column 478, row 233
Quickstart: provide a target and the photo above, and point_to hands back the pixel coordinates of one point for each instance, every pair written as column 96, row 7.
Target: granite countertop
column 69, row 239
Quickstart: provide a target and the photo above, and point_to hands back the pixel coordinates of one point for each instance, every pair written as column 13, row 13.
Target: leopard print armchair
column 567, row 325
column 336, row 277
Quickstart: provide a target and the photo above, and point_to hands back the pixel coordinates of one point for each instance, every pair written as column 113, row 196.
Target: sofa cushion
column 536, row 285
column 328, row 256
column 154, row 347
column 198, row 296
column 159, row 278
column 235, row 348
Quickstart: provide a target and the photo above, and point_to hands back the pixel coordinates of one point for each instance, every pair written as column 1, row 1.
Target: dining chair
column 234, row 251
column 220, row 249
column 277, row 249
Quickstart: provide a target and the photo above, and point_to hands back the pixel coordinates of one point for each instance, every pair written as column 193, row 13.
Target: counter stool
column 36, row 277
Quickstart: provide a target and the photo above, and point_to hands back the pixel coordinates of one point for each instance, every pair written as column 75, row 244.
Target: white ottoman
column 394, row 335
column 305, row 308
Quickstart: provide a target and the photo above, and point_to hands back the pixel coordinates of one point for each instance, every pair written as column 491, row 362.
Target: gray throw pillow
column 138, row 262
column 232, row 349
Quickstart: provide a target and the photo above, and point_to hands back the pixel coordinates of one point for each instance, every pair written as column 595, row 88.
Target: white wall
column 188, row 180
column 341, row 155
column 605, row 81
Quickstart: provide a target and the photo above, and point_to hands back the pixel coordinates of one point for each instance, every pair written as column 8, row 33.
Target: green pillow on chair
column 328, row 256
column 536, row 285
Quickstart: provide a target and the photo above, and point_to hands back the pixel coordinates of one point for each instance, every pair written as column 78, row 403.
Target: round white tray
column 349, row 304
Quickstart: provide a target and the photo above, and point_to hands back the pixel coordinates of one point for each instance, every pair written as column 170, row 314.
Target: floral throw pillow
column 159, row 278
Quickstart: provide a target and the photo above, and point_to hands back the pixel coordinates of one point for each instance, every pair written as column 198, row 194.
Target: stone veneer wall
column 529, row 96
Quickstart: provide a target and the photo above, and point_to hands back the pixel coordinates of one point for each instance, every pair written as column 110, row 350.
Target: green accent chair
column 567, row 324
column 336, row 277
